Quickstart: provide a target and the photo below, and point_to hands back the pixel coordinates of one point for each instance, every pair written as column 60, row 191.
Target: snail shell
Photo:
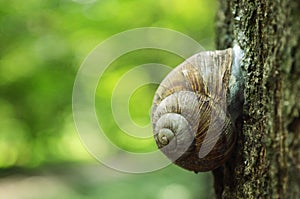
column 195, row 108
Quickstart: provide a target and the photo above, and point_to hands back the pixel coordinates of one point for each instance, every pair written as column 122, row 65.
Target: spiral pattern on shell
column 190, row 118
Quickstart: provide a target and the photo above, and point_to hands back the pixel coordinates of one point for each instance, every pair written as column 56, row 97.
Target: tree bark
column 266, row 162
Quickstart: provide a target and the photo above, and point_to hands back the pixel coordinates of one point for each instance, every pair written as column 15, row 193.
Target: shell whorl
column 176, row 114
column 189, row 113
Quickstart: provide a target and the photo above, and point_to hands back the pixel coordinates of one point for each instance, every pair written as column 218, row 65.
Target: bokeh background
column 42, row 44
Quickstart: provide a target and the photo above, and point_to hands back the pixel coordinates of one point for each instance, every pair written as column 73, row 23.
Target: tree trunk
column 266, row 162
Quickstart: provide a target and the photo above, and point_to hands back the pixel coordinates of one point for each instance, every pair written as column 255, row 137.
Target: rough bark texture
column 266, row 162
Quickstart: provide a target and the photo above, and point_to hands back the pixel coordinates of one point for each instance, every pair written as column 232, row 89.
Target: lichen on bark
column 266, row 163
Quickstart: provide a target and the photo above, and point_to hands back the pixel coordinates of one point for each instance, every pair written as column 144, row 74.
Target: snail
column 195, row 109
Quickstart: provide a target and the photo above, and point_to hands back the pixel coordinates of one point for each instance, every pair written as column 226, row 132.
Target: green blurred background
column 43, row 43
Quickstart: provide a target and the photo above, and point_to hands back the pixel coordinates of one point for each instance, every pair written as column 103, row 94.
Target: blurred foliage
column 43, row 43
column 84, row 182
